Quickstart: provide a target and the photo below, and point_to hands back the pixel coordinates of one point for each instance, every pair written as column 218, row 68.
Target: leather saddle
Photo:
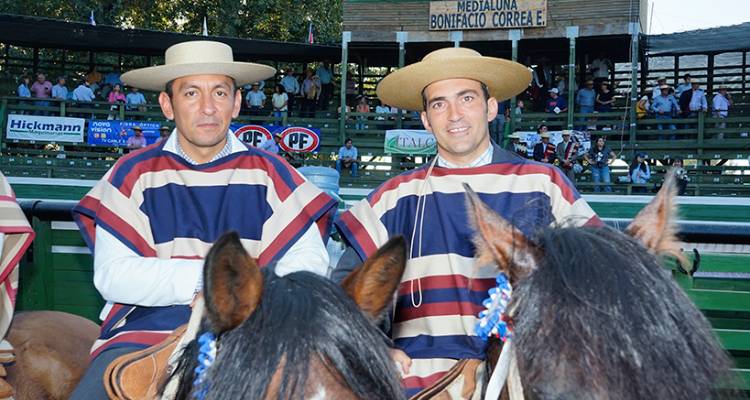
column 139, row 375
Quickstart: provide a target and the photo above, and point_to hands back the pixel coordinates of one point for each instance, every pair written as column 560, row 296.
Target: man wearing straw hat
column 433, row 326
column 153, row 217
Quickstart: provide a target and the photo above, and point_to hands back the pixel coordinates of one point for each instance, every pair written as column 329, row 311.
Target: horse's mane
column 302, row 321
column 601, row 319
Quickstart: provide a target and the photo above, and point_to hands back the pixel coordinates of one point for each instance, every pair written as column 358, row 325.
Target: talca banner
column 116, row 133
column 294, row 139
column 45, row 129
column 456, row 15
column 410, row 141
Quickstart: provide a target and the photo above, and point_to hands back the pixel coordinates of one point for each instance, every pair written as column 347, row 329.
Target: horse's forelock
column 601, row 311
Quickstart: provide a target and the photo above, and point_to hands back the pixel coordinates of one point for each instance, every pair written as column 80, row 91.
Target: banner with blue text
column 115, row 133
column 459, row 15
column 45, row 129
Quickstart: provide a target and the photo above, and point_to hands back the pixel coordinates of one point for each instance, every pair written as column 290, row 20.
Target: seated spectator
column 83, row 93
column 384, row 114
column 23, row 87
column 347, row 158
column 164, row 132
column 116, row 96
column 255, row 99
column 137, row 141
column 362, row 107
column 720, row 105
column 599, row 157
column 639, row 173
column 555, row 104
column 60, row 91
column 544, row 151
column 605, row 98
column 681, row 175
column 135, row 100
column 642, row 107
column 280, row 103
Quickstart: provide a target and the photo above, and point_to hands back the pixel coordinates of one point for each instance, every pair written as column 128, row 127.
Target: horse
column 296, row 336
column 51, row 353
column 595, row 316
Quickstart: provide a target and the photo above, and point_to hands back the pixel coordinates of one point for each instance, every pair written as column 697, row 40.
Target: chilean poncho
column 442, row 289
column 159, row 205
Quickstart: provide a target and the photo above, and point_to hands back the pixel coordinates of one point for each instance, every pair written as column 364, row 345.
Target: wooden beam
column 710, row 75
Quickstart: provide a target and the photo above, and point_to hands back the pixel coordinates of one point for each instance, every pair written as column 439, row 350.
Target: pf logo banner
column 253, row 135
column 297, row 139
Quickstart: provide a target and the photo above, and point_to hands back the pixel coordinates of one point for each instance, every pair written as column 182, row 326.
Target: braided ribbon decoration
column 206, row 357
column 491, row 321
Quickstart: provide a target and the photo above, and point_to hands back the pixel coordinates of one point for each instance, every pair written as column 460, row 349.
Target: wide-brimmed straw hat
column 197, row 57
column 544, row 135
column 403, row 88
column 514, row 135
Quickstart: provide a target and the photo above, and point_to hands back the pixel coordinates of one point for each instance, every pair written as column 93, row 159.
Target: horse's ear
column 499, row 242
column 232, row 284
column 655, row 227
column 373, row 283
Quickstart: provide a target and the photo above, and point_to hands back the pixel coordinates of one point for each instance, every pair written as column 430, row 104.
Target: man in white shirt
column 154, row 216
column 720, row 104
column 83, row 93
column 255, row 100
column 291, row 87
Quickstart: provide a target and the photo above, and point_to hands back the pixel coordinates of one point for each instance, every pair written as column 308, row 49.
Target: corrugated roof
column 702, row 41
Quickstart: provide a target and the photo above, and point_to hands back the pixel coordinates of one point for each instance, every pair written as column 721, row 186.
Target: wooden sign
column 458, row 15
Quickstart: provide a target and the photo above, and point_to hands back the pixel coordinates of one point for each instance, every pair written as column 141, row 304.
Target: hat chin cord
column 421, row 201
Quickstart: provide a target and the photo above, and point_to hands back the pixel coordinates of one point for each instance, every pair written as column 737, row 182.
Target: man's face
column 458, row 115
column 665, row 92
column 255, row 88
column 40, row 78
column 348, row 144
column 134, row 89
column 545, row 140
column 61, row 82
column 138, row 133
column 553, row 95
column 202, row 107
column 566, row 138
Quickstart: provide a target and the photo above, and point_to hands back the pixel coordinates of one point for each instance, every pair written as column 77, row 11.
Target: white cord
column 420, row 202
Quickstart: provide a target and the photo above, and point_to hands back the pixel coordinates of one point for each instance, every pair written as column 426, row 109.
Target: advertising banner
column 294, row 139
column 458, row 15
column 45, row 129
column 531, row 138
column 410, row 141
column 116, row 133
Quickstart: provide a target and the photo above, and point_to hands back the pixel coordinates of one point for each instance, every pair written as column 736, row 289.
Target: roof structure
column 702, row 41
column 27, row 31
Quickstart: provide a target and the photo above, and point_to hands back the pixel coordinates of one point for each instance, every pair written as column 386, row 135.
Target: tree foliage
column 285, row 20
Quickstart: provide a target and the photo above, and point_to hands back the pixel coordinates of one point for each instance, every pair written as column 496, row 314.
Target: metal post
column 744, row 71
column 634, row 35
column 346, row 37
column 401, row 38
column 571, row 32
column 676, row 71
column 456, row 37
column 514, row 35
column 710, row 76
column 35, row 67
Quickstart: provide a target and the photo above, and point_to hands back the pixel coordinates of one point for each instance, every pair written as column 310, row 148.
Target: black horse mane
column 600, row 318
column 302, row 320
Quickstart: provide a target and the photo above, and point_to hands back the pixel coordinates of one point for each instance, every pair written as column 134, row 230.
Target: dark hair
column 485, row 92
column 686, row 76
column 168, row 87
column 539, row 128
column 347, row 140
column 635, row 164
column 280, row 88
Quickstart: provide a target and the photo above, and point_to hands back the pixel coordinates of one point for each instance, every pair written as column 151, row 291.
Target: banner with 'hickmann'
column 410, row 141
column 45, row 129
column 457, row 15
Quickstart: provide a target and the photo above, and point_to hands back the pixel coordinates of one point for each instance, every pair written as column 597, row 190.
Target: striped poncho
column 441, row 291
column 159, row 205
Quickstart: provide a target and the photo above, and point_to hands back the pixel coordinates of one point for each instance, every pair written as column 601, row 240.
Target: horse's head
column 594, row 316
column 297, row 336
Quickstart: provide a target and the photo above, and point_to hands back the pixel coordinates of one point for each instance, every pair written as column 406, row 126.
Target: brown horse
column 52, row 353
column 595, row 316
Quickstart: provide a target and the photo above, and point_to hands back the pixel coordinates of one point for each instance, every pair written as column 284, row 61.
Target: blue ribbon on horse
column 206, row 357
column 491, row 322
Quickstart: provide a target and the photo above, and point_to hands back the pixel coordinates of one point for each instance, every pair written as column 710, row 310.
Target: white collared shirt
column 123, row 276
column 484, row 159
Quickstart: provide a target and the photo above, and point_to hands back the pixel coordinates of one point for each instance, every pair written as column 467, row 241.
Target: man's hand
column 401, row 359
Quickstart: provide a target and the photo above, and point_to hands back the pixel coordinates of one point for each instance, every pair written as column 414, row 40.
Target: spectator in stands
column 291, row 87
column 60, row 91
column 642, row 107
column 664, row 107
column 599, row 157
column 518, row 111
column 605, row 98
column 561, row 85
column 255, row 100
column 272, row 146
column 384, row 114
column 681, row 175
column 515, row 145
column 42, row 89
column 497, row 127
column 567, row 153
column 660, row 81
column 164, row 132
column 351, row 88
column 116, row 96
column 23, row 87
column 137, row 141
column 347, row 158
column 544, row 151
column 585, row 98
column 720, row 105
column 600, row 68
column 310, row 92
column 83, row 92
column 280, row 102
column 698, row 101
column 135, row 100
column 639, row 172
column 682, row 87
column 93, row 76
column 556, row 104
column 362, row 107
column 112, row 78
column 325, row 76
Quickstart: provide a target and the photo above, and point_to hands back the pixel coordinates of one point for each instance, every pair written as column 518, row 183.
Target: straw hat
column 662, row 87
column 138, row 128
column 514, row 135
column 197, row 57
column 544, row 135
column 566, row 132
column 403, row 88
